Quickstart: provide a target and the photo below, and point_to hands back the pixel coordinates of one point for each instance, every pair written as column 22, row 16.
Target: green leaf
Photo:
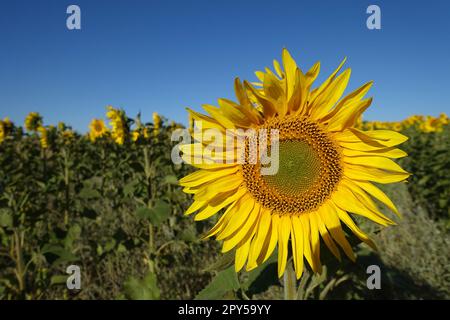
column 156, row 215
column 87, row 193
column 129, row 188
column 161, row 212
column 72, row 235
column 224, row 261
column 145, row 289
column 63, row 254
column 58, row 279
column 257, row 277
column 260, row 279
column 170, row 180
column 189, row 234
column 6, row 219
column 224, row 282
column 144, row 213
column 110, row 245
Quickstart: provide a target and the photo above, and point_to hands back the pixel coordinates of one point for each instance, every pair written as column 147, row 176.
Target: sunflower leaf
column 224, row 282
column 142, row 289
column 224, row 261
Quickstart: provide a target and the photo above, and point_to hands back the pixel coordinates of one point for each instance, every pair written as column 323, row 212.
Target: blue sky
column 166, row 55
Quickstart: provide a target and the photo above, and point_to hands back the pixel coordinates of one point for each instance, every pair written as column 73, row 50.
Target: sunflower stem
column 290, row 283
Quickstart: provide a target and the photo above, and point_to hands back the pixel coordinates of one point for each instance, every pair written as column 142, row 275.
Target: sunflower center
column 98, row 127
column 299, row 168
column 309, row 168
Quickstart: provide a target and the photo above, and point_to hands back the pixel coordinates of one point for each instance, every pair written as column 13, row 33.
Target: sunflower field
column 109, row 201
column 115, row 205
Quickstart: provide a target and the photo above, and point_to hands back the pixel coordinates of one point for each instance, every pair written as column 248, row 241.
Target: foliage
column 429, row 161
column 111, row 205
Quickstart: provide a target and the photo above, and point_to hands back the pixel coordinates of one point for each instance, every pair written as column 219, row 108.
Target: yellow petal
column 344, row 217
column 390, row 138
column 235, row 113
column 347, row 117
column 345, row 199
column 195, row 206
column 297, row 102
column 245, row 103
column 284, row 231
column 212, row 209
column 356, row 172
column 315, row 241
column 331, row 219
column 365, row 199
column 204, row 165
column 241, row 255
column 217, row 114
column 240, row 215
column 271, row 240
column 207, row 122
column 326, row 236
column 277, row 67
column 327, row 98
column 203, row 176
column 247, row 229
column 376, row 162
column 391, row 152
column 258, row 241
column 312, row 74
column 221, row 185
column 297, row 235
column 377, row 193
column 274, row 92
column 327, row 82
column 304, row 220
column 267, row 105
column 223, row 221
column 349, row 99
column 290, row 69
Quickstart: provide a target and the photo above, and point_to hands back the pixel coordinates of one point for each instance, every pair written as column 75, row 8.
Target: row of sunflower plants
column 106, row 201
column 109, row 202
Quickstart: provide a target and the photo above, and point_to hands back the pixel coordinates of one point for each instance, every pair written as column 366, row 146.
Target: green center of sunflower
column 308, row 172
column 299, row 168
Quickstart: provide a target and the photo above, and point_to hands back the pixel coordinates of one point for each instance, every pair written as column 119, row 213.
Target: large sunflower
column 326, row 168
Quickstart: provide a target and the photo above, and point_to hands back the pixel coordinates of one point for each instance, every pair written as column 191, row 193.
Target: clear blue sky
column 165, row 55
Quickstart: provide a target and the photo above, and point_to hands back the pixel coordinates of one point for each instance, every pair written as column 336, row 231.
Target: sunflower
column 326, row 169
column 33, row 121
column 97, row 129
column 44, row 138
column 119, row 124
column 156, row 123
column 6, row 128
column 135, row 135
column 68, row 136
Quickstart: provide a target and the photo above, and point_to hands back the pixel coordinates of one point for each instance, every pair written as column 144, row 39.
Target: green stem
column 290, row 282
column 151, row 241
column 67, row 190
column 20, row 267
